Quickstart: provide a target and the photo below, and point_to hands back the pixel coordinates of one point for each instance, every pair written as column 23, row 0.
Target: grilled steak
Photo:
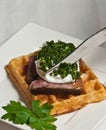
column 31, row 72
column 42, row 87
column 39, row 86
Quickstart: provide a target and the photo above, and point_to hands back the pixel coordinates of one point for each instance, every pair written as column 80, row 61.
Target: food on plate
column 51, row 54
column 84, row 86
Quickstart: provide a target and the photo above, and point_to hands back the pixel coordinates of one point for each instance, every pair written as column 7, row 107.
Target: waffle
column 93, row 90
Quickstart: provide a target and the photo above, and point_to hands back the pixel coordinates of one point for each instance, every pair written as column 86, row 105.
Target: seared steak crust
column 39, row 86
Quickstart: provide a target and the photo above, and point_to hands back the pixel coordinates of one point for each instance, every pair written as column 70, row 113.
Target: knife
column 88, row 45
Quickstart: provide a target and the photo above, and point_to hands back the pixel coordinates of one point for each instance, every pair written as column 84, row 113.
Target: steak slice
column 31, row 71
column 40, row 86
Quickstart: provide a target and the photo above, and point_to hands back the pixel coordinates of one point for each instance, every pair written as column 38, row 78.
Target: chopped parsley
column 65, row 68
column 53, row 52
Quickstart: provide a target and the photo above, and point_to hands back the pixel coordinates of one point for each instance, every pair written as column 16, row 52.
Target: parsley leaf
column 38, row 117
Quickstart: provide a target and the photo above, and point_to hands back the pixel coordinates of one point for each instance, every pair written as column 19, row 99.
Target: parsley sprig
column 38, row 117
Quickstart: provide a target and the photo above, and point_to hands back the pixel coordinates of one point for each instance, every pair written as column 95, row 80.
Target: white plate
column 29, row 39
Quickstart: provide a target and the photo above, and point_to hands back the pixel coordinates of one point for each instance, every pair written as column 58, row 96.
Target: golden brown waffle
column 93, row 90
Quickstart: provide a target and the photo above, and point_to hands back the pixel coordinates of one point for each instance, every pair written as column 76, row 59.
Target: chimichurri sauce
column 53, row 52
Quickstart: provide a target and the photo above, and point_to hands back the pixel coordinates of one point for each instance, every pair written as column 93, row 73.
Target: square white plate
column 29, row 39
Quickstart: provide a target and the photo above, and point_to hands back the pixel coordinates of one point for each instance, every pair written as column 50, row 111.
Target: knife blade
column 88, row 45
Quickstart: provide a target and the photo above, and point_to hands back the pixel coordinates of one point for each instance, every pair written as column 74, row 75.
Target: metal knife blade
column 85, row 47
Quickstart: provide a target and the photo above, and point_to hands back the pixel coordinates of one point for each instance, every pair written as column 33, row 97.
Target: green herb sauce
column 53, row 52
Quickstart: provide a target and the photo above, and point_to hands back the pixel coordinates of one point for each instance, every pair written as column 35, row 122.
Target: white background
column 78, row 18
